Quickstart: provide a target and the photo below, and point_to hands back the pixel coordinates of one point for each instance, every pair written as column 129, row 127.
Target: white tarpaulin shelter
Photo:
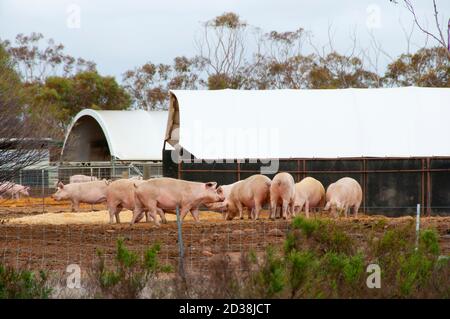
column 238, row 124
column 124, row 135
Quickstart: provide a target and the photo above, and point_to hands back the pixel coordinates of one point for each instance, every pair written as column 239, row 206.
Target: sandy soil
column 93, row 217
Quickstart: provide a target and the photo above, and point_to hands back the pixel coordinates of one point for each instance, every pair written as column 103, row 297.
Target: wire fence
column 54, row 247
column 44, row 244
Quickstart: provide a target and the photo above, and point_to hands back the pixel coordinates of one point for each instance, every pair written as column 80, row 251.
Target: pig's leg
column 285, row 209
column 298, row 208
column 75, row 206
column 257, row 210
column 335, row 211
column 241, row 210
column 112, row 212
column 116, row 213
column 184, row 211
column 250, row 213
column 345, row 210
column 355, row 210
column 159, row 211
column 147, row 216
column 194, row 213
column 141, row 215
column 153, row 214
column 162, row 215
column 291, row 209
column 307, row 209
column 273, row 209
column 137, row 213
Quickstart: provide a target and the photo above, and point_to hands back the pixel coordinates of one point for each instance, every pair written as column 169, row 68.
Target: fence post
column 417, row 226
column 42, row 190
column 92, row 174
column 180, row 245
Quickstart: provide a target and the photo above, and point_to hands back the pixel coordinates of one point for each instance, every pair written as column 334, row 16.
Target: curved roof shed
column 239, row 124
column 123, row 135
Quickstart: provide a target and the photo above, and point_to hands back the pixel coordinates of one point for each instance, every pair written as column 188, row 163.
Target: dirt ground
column 57, row 238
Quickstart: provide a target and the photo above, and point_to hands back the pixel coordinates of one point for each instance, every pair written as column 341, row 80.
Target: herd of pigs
column 159, row 196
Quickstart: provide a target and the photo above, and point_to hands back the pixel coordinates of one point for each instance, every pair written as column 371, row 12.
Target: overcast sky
column 119, row 35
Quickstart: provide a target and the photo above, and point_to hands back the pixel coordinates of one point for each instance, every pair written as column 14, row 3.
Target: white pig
column 252, row 192
column 13, row 190
column 282, row 194
column 120, row 195
column 226, row 191
column 344, row 194
column 88, row 192
column 309, row 193
column 166, row 193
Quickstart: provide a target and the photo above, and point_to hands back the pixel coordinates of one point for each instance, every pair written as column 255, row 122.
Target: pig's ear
column 60, row 185
column 211, row 185
column 219, row 190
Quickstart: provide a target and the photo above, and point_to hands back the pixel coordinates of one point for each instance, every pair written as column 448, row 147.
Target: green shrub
column 129, row 275
column 414, row 271
column 300, row 266
column 354, row 269
column 269, row 278
column 429, row 242
column 23, row 284
column 308, row 226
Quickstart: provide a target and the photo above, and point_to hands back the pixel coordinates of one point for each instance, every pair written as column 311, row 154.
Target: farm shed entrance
column 97, row 136
column 393, row 141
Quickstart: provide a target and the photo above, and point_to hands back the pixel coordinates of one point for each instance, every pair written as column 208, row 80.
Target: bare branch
column 410, row 8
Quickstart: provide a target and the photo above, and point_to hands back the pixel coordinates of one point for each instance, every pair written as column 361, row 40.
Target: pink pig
column 282, row 194
column 309, row 193
column 13, row 190
column 88, row 192
column 166, row 193
column 252, row 192
column 344, row 194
